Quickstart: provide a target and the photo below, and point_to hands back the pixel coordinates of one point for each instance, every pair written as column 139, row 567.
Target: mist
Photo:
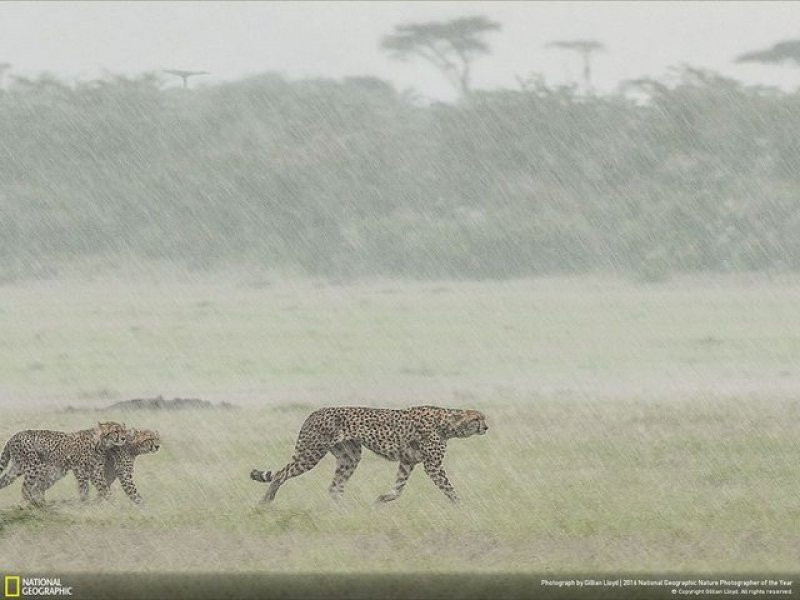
column 580, row 222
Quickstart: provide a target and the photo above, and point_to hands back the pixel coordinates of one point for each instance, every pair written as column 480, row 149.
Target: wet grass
column 90, row 343
column 632, row 428
column 699, row 483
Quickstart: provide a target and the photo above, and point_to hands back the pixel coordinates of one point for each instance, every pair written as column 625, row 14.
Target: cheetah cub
column 120, row 460
column 45, row 456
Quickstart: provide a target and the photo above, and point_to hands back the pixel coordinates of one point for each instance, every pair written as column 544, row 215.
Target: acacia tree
column 450, row 46
column 184, row 75
column 585, row 48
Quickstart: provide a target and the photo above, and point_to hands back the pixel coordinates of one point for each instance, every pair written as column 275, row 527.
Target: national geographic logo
column 16, row 586
column 11, row 586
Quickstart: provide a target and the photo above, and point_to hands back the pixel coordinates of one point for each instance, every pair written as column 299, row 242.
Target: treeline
column 352, row 178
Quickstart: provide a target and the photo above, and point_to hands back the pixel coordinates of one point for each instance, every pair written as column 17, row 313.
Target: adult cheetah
column 409, row 436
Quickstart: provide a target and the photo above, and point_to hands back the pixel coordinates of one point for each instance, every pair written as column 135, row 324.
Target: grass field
column 632, row 428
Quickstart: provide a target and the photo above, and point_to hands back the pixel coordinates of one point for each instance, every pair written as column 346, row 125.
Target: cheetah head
column 146, row 441
column 110, row 434
column 464, row 423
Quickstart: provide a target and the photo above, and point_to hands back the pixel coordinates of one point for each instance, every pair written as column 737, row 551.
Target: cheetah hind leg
column 348, row 455
column 403, row 473
column 32, row 485
column 10, row 474
column 303, row 461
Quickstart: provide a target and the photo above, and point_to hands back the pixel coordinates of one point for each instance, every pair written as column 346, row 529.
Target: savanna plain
column 632, row 427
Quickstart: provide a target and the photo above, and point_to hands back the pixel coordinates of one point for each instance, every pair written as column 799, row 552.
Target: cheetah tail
column 262, row 476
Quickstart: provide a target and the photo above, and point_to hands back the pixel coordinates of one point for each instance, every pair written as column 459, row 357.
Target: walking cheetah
column 120, row 460
column 45, row 456
column 408, row 436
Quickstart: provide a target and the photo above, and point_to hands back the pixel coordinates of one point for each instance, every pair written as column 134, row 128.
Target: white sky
column 335, row 39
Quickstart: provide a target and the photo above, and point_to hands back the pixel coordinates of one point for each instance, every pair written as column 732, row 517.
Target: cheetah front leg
column 110, row 471
column 121, row 468
column 83, row 485
column 98, row 478
column 403, row 473
column 126, row 481
column 433, row 457
column 436, row 472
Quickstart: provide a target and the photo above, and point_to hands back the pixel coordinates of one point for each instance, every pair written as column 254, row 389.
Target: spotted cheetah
column 45, row 456
column 120, row 460
column 408, row 436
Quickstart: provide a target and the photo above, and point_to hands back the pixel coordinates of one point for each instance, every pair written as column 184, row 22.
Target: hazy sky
column 334, row 39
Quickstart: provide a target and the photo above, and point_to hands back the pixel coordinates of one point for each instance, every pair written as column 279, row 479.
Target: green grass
column 245, row 340
column 561, row 484
column 631, row 428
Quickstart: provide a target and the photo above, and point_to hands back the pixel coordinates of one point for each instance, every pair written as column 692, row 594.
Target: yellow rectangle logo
column 11, row 587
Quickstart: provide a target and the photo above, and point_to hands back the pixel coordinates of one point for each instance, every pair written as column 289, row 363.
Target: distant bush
column 351, row 178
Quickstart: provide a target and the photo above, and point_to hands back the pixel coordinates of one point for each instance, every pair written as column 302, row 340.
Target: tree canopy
column 450, row 46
